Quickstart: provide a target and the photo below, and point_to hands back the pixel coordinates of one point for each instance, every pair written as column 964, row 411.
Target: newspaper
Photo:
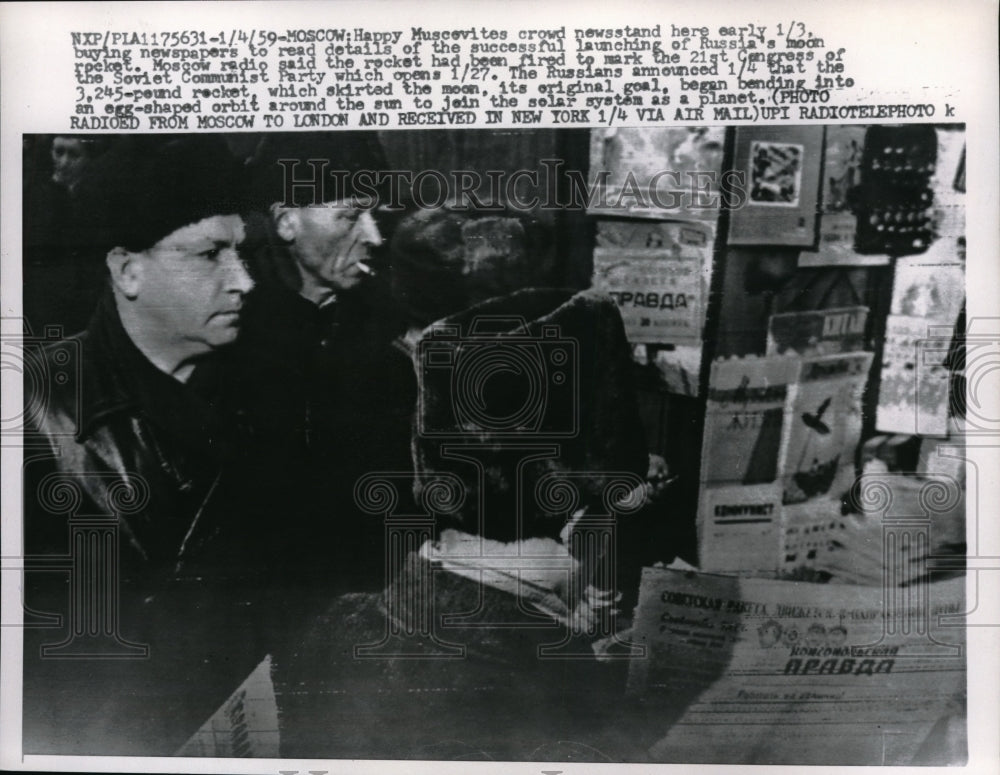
column 808, row 664
column 559, row 101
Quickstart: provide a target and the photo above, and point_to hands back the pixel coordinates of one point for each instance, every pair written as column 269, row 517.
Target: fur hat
column 445, row 260
column 305, row 168
column 148, row 187
column 519, row 389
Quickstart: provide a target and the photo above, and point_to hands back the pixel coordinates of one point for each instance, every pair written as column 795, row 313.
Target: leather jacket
column 145, row 509
column 128, row 441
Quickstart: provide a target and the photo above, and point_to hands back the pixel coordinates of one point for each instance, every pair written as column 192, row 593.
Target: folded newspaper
column 756, row 671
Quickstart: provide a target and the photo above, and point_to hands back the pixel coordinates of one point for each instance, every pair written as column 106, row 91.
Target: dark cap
column 148, row 187
column 305, row 168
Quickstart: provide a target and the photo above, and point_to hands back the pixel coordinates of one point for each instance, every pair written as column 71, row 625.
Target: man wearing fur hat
column 138, row 480
column 321, row 378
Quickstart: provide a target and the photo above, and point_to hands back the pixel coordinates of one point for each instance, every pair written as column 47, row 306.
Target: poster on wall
column 744, row 417
column 782, row 168
column 780, row 435
column 948, row 184
column 657, row 172
column 657, row 273
column 913, row 393
column 824, row 427
column 817, row 332
column 844, row 148
column 931, row 285
column 739, row 509
column 894, row 201
column 817, row 463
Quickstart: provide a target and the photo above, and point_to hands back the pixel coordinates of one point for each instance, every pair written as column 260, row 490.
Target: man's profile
column 141, row 440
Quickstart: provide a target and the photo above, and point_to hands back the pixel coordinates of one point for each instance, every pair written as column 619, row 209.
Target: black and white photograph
column 775, row 174
column 332, row 445
column 322, row 474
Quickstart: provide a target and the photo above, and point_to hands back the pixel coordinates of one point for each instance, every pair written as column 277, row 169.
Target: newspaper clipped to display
column 656, row 272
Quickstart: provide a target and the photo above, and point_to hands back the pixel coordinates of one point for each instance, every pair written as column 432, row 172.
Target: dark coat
column 331, row 395
column 117, row 451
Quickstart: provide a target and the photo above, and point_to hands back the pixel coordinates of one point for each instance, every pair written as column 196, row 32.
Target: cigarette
column 365, row 268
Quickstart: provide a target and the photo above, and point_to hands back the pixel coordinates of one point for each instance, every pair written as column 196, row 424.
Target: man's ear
column 286, row 222
column 126, row 271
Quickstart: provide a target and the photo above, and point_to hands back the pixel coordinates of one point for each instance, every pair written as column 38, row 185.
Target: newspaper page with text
column 545, row 386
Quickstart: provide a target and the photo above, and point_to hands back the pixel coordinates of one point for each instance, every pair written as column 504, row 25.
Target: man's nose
column 238, row 279
column 368, row 232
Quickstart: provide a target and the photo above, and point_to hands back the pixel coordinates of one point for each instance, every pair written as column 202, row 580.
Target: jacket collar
column 104, row 377
column 116, row 377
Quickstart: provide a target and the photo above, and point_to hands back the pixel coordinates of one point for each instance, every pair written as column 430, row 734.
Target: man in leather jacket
column 137, row 503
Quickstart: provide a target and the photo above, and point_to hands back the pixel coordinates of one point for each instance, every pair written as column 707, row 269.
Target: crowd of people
column 245, row 360
column 235, row 377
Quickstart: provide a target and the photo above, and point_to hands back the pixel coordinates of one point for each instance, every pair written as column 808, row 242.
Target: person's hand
column 595, row 611
column 658, row 477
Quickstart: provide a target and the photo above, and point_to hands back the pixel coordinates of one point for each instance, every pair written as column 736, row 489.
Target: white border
column 900, row 51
